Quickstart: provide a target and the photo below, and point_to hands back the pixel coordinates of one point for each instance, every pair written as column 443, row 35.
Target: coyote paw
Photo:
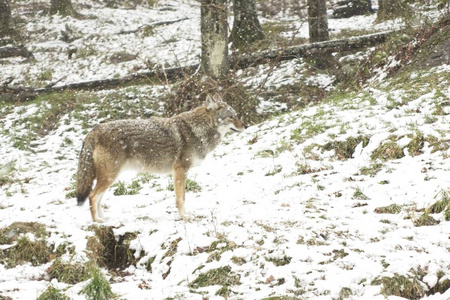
column 99, row 220
column 186, row 218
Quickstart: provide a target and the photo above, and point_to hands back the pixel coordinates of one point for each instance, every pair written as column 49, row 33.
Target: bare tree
column 318, row 22
column 246, row 27
column 5, row 18
column 390, row 9
column 214, row 38
column 62, row 7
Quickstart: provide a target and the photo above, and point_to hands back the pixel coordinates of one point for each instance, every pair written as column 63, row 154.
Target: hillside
column 338, row 194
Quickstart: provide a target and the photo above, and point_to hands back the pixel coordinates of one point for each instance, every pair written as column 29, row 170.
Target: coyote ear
column 217, row 98
column 211, row 103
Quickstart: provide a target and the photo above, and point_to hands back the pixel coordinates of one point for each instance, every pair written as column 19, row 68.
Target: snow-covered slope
column 294, row 207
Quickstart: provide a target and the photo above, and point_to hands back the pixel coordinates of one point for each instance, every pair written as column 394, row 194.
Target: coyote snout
column 157, row 145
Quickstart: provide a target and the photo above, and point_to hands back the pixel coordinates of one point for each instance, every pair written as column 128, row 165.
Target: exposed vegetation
column 412, row 285
column 70, row 272
column 221, row 276
column 108, row 252
column 388, row 150
column 390, row 209
column 52, row 293
column 191, row 186
column 30, row 244
column 440, row 206
column 345, row 149
column 402, row 286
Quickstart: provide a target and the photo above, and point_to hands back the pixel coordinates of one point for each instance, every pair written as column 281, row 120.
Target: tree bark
column 214, row 38
column 318, row 22
column 390, row 9
column 246, row 27
column 5, row 18
column 62, row 7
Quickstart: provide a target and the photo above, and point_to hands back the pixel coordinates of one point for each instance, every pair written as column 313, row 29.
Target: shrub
column 192, row 91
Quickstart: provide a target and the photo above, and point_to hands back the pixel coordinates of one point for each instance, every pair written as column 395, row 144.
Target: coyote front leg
column 179, row 184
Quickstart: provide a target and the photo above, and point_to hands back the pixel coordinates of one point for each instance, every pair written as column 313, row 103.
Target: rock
column 120, row 57
column 350, row 8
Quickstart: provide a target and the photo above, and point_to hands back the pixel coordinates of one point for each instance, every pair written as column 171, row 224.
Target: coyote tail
column 86, row 170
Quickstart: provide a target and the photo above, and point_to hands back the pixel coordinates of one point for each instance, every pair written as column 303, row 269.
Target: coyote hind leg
column 179, row 184
column 105, row 177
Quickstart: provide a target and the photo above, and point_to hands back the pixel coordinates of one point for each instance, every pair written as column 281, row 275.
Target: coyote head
column 225, row 116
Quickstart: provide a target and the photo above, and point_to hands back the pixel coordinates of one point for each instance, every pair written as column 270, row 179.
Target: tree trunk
column 318, row 22
column 214, row 37
column 5, row 18
column 246, row 27
column 390, row 9
column 62, row 7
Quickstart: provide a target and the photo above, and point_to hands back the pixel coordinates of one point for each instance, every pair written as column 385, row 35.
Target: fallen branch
column 151, row 26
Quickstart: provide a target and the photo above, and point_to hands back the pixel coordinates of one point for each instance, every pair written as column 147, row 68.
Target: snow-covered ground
column 289, row 218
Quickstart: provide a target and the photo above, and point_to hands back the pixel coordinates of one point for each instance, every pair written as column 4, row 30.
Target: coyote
column 157, row 145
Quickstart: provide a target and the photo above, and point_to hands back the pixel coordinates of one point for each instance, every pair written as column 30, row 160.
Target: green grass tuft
column 122, row 189
column 98, row 288
column 440, row 205
column 52, row 293
column 390, row 209
column 371, row 170
column 191, row 186
column 282, row 261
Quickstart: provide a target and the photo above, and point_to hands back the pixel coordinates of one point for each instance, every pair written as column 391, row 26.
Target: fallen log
column 310, row 49
column 28, row 93
column 241, row 61
column 8, row 51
